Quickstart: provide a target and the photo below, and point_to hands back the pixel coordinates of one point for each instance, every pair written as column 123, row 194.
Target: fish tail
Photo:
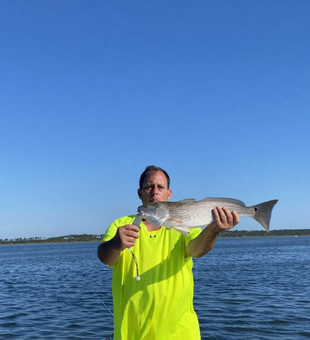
column 263, row 213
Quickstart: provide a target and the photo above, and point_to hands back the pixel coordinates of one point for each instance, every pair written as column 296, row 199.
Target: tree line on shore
column 98, row 238
column 263, row 233
column 58, row 239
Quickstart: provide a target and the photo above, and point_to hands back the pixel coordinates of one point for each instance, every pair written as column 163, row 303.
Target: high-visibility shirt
column 160, row 305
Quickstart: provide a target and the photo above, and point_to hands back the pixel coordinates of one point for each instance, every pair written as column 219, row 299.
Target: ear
column 169, row 194
column 139, row 191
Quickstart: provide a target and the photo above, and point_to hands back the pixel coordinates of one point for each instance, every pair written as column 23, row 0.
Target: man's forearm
column 107, row 253
column 203, row 243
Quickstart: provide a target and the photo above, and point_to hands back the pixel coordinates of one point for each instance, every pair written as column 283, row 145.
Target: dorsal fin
column 187, row 200
column 223, row 199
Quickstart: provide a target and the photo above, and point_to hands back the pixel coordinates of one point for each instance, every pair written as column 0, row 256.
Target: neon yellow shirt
column 160, row 305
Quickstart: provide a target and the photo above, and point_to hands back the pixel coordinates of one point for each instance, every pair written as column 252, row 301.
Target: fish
column 189, row 213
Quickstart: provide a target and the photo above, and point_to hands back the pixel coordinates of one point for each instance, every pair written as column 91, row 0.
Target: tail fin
column 263, row 213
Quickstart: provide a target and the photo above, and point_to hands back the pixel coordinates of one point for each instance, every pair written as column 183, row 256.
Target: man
column 160, row 305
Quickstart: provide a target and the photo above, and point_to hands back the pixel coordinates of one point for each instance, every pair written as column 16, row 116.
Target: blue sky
column 91, row 92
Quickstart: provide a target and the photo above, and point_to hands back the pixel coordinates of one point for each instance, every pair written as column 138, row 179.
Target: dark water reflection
column 244, row 289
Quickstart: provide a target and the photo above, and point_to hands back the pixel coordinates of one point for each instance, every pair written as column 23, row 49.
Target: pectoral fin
column 174, row 220
column 183, row 230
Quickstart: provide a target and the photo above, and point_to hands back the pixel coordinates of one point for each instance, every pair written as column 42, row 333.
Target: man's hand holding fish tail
column 203, row 243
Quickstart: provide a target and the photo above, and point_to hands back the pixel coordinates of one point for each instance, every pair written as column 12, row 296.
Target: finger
column 130, row 230
column 131, row 234
column 222, row 213
column 216, row 215
column 135, row 235
column 229, row 216
column 132, row 227
column 131, row 241
column 128, row 244
column 235, row 217
column 219, row 216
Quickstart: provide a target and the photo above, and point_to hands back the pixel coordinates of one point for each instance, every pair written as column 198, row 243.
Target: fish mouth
column 141, row 213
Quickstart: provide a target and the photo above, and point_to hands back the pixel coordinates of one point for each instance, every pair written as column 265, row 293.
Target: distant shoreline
column 73, row 242
column 33, row 244
column 223, row 237
column 97, row 238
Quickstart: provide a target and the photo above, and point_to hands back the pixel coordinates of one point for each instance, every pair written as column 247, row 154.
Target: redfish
column 189, row 213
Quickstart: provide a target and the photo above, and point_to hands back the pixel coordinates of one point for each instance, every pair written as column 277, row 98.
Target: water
column 254, row 289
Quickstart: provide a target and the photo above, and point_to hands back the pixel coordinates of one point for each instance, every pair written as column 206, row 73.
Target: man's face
column 155, row 188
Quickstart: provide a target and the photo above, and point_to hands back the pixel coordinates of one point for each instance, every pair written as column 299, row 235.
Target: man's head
column 154, row 185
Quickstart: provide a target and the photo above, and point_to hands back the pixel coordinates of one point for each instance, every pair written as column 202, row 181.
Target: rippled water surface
column 254, row 288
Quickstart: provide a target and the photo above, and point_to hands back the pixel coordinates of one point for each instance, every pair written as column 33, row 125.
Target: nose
column 155, row 189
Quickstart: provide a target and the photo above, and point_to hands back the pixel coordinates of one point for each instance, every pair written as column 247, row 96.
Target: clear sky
column 91, row 92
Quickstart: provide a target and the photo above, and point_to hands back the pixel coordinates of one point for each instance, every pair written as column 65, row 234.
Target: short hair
column 153, row 168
